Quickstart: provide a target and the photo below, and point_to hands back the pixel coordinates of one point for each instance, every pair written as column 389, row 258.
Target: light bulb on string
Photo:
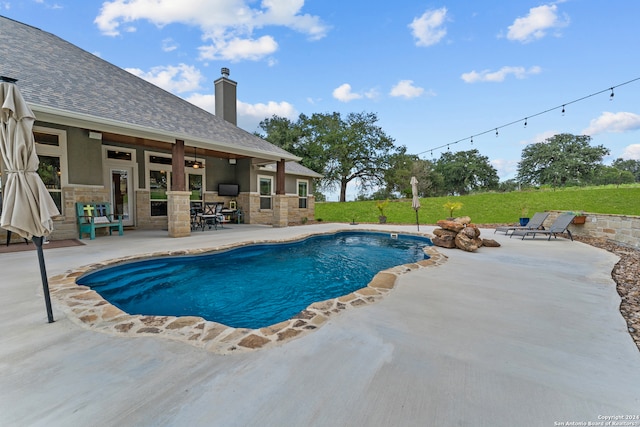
column 563, row 108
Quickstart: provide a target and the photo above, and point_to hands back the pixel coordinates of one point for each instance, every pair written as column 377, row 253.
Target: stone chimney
column 225, row 91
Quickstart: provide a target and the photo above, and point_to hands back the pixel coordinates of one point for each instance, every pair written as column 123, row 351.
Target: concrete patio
column 525, row 334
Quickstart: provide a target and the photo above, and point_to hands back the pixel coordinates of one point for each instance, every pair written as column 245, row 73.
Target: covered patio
column 526, row 334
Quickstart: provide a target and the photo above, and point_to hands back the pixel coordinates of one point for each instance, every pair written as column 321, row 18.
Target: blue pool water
column 258, row 285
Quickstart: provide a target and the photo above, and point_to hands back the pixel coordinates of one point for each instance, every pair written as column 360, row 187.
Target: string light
column 471, row 140
column 563, row 106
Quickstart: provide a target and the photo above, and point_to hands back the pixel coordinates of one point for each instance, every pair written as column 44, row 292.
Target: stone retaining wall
column 620, row 228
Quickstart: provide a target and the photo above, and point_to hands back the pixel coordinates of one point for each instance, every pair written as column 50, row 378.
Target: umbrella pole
column 417, row 222
column 37, row 240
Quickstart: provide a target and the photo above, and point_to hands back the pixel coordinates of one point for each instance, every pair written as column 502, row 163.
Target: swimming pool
column 257, row 285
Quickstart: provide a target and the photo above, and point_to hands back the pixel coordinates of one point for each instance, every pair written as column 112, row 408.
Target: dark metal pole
column 417, row 222
column 37, row 240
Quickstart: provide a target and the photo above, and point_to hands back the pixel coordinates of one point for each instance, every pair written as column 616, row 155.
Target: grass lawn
column 491, row 208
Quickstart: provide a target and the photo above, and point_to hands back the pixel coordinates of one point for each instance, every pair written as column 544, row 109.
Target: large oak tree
column 465, row 171
column 342, row 149
column 561, row 160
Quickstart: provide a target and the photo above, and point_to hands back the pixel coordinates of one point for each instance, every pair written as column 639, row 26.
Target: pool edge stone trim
column 88, row 309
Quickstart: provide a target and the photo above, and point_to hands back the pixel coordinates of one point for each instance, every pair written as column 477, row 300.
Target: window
column 158, row 186
column 159, row 168
column 51, row 147
column 49, row 171
column 303, row 192
column 159, row 174
column 265, row 184
column 195, row 186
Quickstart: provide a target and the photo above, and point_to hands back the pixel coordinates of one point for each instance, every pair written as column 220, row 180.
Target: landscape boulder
column 490, row 243
column 460, row 233
column 445, row 241
column 463, row 220
column 446, row 224
column 466, row 243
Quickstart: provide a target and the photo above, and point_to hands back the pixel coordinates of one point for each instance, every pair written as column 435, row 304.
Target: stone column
column 178, row 213
column 280, row 211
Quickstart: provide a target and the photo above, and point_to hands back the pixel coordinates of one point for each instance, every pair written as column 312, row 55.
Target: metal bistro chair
column 195, row 211
column 211, row 215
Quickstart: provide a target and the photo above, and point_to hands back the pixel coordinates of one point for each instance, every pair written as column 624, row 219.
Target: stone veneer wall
column 296, row 215
column 65, row 227
column 144, row 220
column 178, row 213
column 620, row 228
column 255, row 215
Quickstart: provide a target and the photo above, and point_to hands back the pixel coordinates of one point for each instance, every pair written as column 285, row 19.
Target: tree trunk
column 343, row 191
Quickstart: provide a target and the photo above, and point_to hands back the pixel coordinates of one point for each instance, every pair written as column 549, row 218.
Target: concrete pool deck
column 525, row 334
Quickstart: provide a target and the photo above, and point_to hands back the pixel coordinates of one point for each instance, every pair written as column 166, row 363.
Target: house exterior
column 103, row 134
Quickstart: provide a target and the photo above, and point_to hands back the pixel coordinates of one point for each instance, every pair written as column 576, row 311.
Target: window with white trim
column 265, row 187
column 303, row 193
column 159, row 181
column 51, row 148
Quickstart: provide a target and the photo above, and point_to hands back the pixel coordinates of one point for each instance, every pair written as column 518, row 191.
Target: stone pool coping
column 88, row 309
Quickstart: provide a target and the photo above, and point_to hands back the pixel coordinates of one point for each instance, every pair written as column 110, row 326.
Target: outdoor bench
column 92, row 215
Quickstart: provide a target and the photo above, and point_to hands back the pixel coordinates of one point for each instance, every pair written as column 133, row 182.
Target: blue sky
column 434, row 72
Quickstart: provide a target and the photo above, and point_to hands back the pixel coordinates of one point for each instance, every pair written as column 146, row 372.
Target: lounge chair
column 534, row 223
column 559, row 226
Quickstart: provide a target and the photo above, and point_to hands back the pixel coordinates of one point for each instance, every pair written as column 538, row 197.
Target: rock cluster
column 460, row 233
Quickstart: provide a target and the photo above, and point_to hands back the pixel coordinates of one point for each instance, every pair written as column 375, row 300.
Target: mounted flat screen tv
column 228, row 190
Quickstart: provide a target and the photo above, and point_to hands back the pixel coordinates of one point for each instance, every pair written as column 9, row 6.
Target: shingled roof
column 68, row 85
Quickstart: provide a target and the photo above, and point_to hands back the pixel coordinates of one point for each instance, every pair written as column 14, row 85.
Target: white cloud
column 176, row 79
column 614, row 123
column 429, row 28
column 169, row 45
column 541, row 137
column 206, row 101
column 249, row 115
column 371, row 93
column 536, row 24
column 500, row 75
column 505, row 168
column 631, row 152
column 343, row 93
column 406, row 89
column 239, row 49
column 227, row 25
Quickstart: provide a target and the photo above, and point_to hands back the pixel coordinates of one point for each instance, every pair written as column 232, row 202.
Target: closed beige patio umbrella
column 27, row 206
column 415, row 202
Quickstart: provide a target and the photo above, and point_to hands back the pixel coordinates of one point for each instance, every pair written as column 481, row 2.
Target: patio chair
column 559, row 226
column 211, row 215
column 195, row 211
column 534, row 223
